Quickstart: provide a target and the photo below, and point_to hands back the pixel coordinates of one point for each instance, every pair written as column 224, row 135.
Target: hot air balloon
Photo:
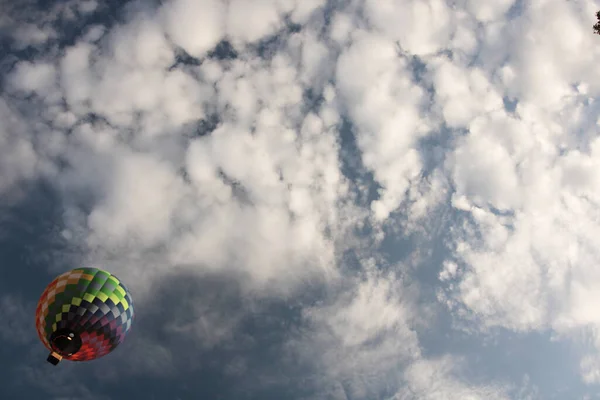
column 83, row 314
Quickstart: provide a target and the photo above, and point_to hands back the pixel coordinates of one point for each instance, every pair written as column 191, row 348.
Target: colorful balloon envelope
column 83, row 314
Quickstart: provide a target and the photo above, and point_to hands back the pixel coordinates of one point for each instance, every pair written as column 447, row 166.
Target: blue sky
column 313, row 199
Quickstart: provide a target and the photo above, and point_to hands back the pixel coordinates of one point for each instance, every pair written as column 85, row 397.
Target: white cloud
column 421, row 27
column 486, row 12
column 463, row 94
column 137, row 206
column 39, row 78
column 18, row 159
column 484, row 170
column 531, row 267
column 75, row 76
column 31, row 35
column 362, row 336
column 249, row 21
column 437, row 380
column 374, row 308
column 366, row 340
column 548, row 62
column 195, row 26
column 252, row 185
column 385, row 107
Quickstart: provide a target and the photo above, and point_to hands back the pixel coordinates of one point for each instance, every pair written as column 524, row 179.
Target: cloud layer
column 352, row 175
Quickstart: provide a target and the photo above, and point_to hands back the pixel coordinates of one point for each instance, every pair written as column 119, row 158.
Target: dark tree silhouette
column 597, row 25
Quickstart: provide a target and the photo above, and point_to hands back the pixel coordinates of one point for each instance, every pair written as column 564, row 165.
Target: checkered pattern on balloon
column 89, row 301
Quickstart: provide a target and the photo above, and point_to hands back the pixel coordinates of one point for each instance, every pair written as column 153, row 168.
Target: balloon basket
column 54, row 358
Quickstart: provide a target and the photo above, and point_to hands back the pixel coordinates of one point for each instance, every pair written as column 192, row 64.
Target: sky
column 308, row 200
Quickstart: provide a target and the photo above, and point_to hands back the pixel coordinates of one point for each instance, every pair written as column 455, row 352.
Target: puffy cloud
column 420, row 27
column 18, row 159
column 484, row 170
column 39, row 78
column 462, row 93
column 195, row 26
column 526, row 254
column 489, row 12
column 547, row 61
column 361, row 337
column 385, row 107
column 436, row 379
column 249, row 21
